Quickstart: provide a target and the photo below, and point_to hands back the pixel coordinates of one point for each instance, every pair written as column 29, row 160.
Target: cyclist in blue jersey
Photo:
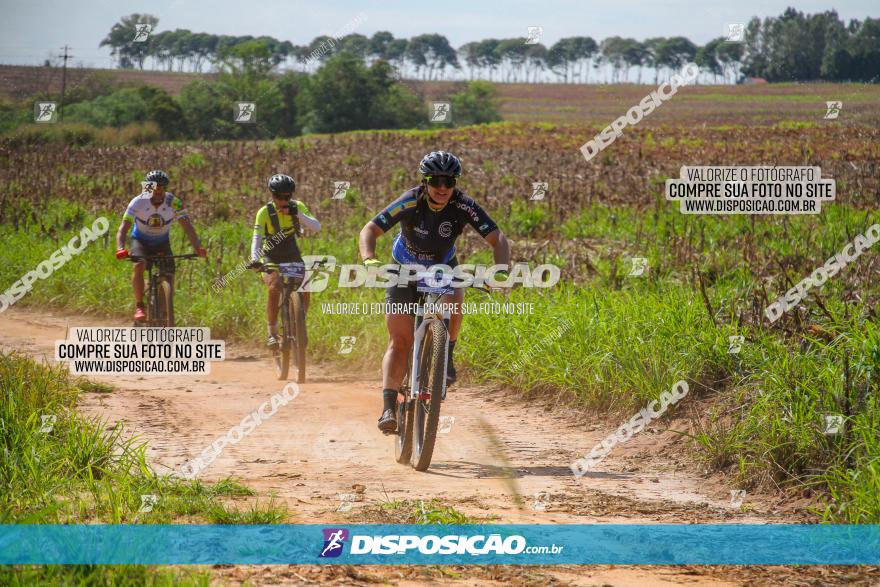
column 431, row 215
column 152, row 213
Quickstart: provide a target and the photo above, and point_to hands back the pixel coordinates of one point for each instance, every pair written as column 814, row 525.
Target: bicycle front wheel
column 164, row 305
column 300, row 341
column 281, row 355
column 432, row 380
column 404, row 440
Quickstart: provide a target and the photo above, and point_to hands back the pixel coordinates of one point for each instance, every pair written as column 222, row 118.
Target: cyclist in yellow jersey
column 274, row 241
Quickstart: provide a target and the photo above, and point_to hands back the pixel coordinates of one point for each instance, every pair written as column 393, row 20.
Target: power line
column 64, row 81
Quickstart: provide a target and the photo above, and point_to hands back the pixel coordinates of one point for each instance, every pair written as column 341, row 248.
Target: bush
column 346, row 95
column 14, row 114
column 117, row 109
column 477, row 103
column 79, row 134
column 37, row 134
column 208, row 107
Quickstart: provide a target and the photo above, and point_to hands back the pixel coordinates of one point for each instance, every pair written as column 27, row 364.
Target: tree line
column 343, row 94
column 792, row 47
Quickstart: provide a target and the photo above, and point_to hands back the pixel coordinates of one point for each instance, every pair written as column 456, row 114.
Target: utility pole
column 66, row 56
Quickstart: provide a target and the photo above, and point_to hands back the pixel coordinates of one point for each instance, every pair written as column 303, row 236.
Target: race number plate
column 292, row 269
column 434, row 282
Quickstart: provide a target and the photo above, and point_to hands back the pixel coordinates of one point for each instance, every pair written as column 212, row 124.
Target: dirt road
column 325, row 441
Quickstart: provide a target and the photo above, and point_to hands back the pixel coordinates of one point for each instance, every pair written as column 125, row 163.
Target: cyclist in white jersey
column 151, row 214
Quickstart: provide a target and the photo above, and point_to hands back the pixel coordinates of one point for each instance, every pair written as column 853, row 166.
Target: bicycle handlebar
column 261, row 267
column 160, row 257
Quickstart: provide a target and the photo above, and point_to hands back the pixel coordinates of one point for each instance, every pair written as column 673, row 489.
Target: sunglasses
column 437, row 180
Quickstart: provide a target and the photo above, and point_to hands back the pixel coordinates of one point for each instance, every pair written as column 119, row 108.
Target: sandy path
column 325, row 441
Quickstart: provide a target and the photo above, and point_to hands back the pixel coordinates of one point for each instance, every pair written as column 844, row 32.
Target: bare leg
column 273, row 281
column 400, row 333
column 455, row 319
column 137, row 281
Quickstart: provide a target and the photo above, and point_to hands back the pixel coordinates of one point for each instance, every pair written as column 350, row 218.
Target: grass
column 73, row 470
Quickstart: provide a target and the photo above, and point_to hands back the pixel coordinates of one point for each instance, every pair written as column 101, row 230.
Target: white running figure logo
column 335, row 542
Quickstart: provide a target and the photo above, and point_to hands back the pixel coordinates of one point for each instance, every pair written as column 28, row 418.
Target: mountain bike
column 160, row 293
column 424, row 383
column 292, row 331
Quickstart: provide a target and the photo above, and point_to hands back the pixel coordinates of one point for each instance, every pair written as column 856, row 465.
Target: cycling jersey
column 281, row 248
column 427, row 237
column 152, row 224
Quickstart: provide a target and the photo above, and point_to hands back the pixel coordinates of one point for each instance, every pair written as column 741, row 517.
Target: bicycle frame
column 153, row 277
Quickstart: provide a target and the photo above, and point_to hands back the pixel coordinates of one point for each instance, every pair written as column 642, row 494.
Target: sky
column 33, row 30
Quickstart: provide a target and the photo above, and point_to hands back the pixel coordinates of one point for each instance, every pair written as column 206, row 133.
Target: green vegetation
column 346, row 95
column 59, row 467
column 476, row 104
column 342, row 95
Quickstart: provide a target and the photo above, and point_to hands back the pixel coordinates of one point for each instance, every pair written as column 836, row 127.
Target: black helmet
column 440, row 163
column 158, row 176
column 282, row 184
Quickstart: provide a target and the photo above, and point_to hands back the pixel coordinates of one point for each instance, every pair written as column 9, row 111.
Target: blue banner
column 693, row 544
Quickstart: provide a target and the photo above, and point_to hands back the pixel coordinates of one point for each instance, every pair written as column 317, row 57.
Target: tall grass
column 59, row 467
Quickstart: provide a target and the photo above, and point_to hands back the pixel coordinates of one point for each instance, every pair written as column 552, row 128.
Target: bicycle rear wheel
column 281, row 356
column 300, row 341
column 432, row 379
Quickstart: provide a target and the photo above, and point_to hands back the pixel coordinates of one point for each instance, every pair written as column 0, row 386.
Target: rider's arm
column 187, row 227
column 122, row 232
column 483, row 224
column 306, row 219
column 383, row 221
column 127, row 221
column 367, row 241
column 257, row 239
column 500, row 247
column 181, row 216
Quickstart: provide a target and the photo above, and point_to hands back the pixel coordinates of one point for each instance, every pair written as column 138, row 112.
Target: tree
column 432, row 52
column 560, row 57
column 356, row 44
column 344, row 94
column 513, row 55
column 865, row 50
column 707, row 57
column 730, row 57
column 536, row 60
column 120, row 38
column 651, row 46
column 674, row 52
column 252, row 57
column 488, row 56
column 395, row 53
column 634, row 55
column 471, row 56
column 613, row 53
column 377, row 48
column 582, row 52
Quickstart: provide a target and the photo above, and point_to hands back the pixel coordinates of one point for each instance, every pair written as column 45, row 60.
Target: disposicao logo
column 334, row 539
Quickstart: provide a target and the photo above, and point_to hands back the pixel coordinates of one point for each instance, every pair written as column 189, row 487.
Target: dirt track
column 325, row 441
